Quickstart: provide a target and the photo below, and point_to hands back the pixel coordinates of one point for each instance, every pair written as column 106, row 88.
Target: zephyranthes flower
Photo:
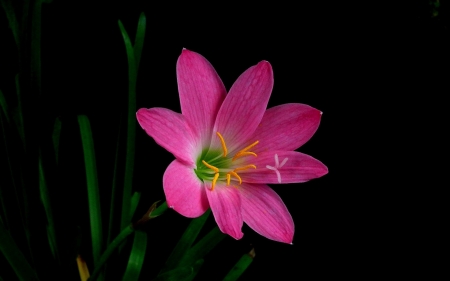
column 228, row 147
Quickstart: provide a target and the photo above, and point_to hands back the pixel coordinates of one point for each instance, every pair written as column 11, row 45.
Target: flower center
column 218, row 165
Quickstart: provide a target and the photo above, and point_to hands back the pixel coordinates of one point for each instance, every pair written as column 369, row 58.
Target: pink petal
column 226, row 207
column 264, row 211
column 286, row 127
column 170, row 130
column 244, row 106
column 298, row 167
column 184, row 191
column 201, row 92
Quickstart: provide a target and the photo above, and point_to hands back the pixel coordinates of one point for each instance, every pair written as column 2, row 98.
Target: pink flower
column 228, row 147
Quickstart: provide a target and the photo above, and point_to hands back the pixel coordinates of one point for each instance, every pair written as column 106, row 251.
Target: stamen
column 224, row 146
column 244, row 152
column 228, row 179
column 250, row 146
column 210, row 166
column 236, row 175
column 240, row 154
column 216, row 176
column 244, row 168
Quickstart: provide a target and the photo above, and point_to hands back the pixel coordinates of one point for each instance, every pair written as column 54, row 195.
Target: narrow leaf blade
column 186, row 241
column 92, row 186
column 131, row 128
column 136, row 258
column 177, row 274
column 241, row 265
column 203, row 247
column 134, row 203
column 45, row 199
column 139, row 40
column 110, row 250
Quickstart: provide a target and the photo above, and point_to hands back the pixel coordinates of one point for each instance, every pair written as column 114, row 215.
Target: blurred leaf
column 12, row 19
column 19, row 117
column 5, row 213
column 55, row 137
column 136, row 258
column 45, row 199
column 185, row 242
column 131, row 129
column 15, row 257
column 17, row 185
column 139, row 40
column 35, row 59
column 4, row 106
column 240, row 266
column 92, row 186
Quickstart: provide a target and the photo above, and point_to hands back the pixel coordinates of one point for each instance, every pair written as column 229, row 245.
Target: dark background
column 363, row 66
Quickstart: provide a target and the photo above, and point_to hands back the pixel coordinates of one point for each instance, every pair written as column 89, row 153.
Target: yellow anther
column 228, row 179
column 224, row 146
column 216, row 176
column 244, row 151
column 250, row 146
column 210, row 166
column 240, row 154
column 236, row 175
column 244, row 168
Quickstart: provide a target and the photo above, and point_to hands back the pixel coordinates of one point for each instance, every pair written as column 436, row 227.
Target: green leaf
column 136, row 258
column 121, row 238
column 203, row 247
column 92, row 186
column 134, row 202
column 131, row 129
column 240, row 266
column 4, row 106
column 186, row 241
column 110, row 250
column 15, row 257
column 139, row 40
column 45, row 199
column 195, row 269
column 177, row 274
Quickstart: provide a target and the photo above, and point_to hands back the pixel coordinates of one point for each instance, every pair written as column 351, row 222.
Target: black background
column 362, row 66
